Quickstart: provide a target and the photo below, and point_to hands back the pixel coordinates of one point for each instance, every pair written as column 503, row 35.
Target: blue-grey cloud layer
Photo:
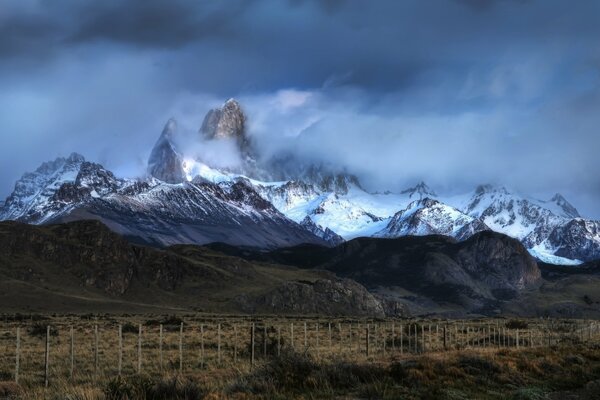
column 454, row 92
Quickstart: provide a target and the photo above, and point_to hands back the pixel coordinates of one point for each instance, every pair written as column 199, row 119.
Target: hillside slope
column 83, row 267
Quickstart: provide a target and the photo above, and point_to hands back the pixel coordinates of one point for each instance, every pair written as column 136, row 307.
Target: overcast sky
column 453, row 92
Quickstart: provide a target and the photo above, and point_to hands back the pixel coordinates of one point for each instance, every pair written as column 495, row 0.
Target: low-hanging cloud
column 454, row 92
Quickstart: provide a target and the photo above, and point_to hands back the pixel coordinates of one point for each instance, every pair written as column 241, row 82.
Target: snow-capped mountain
column 281, row 202
column 428, row 216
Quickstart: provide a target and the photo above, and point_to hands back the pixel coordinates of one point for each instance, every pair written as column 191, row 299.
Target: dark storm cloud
column 452, row 91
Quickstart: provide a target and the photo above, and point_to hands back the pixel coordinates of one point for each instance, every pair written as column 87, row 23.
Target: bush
column 517, row 324
column 141, row 387
column 39, row 330
column 128, row 327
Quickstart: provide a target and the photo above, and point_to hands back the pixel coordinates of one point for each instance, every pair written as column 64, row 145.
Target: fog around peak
column 451, row 92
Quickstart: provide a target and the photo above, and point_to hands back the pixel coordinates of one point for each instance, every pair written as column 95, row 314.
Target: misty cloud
column 454, row 92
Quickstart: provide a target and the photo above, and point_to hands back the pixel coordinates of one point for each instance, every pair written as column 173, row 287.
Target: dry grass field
column 213, row 356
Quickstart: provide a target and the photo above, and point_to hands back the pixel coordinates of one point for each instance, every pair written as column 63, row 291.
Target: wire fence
column 36, row 352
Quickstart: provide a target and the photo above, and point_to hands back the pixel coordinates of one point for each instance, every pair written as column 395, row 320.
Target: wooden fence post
column 423, row 338
column 330, row 339
column 305, row 337
column 18, row 355
column 401, row 339
column 72, row 353
column 139, row 366
column 445, row 346
column 367, row 340
column 47, row 357
column 96, row 352
column 341, row 338
column 252, row 345
column 219, row 343
column 181, row 347
column 517, row 338
column 160, row 347
column 393, row 339
column 384, row 338
column 264, row 340
column 202, row 355
column 278, row 341
column 292, row 336
column 235, row 344
column 120, row 361
column 317, row 339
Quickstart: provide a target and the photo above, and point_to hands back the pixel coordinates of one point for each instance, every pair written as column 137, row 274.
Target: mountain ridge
column 193, row 202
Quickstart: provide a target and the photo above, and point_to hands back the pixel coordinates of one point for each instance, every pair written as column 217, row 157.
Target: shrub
column 517, row 324
column 141, row 387
column 39, row 330
column 128, row 327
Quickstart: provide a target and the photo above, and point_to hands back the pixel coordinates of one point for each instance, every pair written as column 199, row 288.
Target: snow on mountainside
column 184, row 200
column 428, row 216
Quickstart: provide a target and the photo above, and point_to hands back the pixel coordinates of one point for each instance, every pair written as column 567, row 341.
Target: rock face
column 227, row 122
column 475, row 275
column 323, row 296
column 165, row 163
column 578, row 239
column 326, row 234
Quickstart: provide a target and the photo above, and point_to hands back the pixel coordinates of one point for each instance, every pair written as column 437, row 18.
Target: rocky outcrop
column 326, row 234
column 227, row 122
column 579, row 239
column 498, row 261
column 165, row 163
column 476, row 274
column 322, row 297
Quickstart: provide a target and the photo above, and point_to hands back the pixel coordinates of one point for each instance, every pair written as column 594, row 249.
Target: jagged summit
column 229, row 121
column 421, row 189
column 567, row 208
column 489, row 188
column 165, row 162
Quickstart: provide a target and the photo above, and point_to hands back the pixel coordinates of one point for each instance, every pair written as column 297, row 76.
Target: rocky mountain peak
column 568, row 209
column 225, row 122
column 421, row 190
column 488, row 188
column 165, row 163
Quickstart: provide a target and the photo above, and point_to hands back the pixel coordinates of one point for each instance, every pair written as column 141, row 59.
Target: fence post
column 317, row 340
column 120, row 361
column 517, row 338
column 367, row 339
column 330, row 340
column 96, row 351
column 160, row 347
column 278, row 341
column 423, row 338
column 341, row 338
column 219, row 343
column 202, row 356
column 292, row 335
column 18, row 355
column 181, row 348
column 252, row 341
column 401, row 339
column 264, row 340
column 305, row 337
column 235, row 344
column 72, row 353
column 445, row 347
column 139, row 366
column 47, row 356
column 393, row 339
column 384, row 338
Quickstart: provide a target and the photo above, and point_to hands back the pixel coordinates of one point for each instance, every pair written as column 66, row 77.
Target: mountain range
column 281, row 202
